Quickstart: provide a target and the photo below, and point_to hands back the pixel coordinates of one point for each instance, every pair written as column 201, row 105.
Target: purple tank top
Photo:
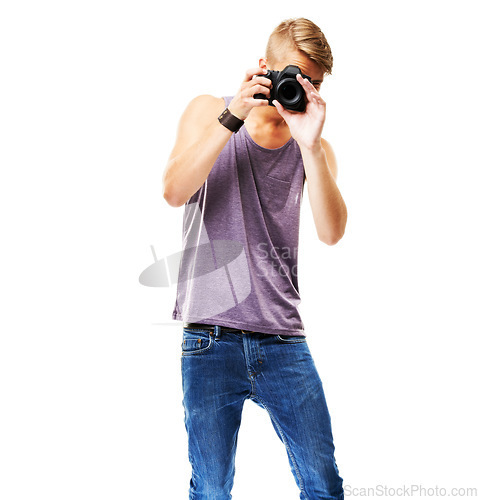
column 240, row 240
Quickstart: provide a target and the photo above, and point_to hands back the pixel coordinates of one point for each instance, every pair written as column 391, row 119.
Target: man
column 240, row 173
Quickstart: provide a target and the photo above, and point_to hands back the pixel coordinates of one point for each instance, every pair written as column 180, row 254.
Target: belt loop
column 217, row 331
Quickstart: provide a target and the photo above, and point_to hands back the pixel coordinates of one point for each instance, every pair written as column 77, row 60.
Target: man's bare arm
column 328, row 207
column 331, row 159
column 201, row 138
column 199, row 141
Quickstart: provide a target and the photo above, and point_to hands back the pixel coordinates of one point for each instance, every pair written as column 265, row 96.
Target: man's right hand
column 243, row 102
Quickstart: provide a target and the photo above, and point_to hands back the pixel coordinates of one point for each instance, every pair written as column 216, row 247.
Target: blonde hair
column 303, row 35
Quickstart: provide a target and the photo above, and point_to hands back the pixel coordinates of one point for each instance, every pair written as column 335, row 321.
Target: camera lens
column 289, row 92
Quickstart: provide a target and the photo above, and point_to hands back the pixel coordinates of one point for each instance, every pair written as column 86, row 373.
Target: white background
column 91, row 93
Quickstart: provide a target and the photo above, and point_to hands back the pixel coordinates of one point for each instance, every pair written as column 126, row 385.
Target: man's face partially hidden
column 299, row 59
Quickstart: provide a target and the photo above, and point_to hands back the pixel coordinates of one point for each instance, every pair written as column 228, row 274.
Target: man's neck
column 267, row 128
column 266, row 117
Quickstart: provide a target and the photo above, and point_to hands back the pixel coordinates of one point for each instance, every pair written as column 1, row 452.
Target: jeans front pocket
column 195, row 341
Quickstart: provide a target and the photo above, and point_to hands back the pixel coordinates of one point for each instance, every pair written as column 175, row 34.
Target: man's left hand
column 305, row 127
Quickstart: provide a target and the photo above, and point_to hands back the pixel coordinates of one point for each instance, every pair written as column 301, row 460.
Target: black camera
column 286, row 89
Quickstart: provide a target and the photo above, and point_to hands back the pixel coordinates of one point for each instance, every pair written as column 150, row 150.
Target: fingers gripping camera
column 286, row 89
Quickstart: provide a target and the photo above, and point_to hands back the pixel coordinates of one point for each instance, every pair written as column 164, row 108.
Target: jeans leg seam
column 286, row 444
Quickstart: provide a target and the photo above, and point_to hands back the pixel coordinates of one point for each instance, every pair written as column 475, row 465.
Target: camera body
column 286, row 89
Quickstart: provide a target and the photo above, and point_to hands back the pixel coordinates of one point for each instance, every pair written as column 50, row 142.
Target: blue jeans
column 220, row 370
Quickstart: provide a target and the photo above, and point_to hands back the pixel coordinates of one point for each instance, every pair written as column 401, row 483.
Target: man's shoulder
column 204, row 105
column 200, row 112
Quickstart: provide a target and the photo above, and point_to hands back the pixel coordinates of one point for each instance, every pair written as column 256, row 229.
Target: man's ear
column 263, row 63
